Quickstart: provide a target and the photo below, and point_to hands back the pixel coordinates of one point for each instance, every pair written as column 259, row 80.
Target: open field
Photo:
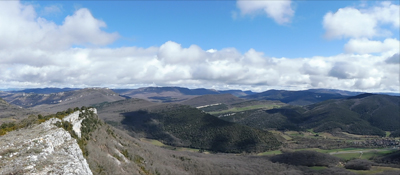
column 375, row 169
column 344, row 153
column 366, row 153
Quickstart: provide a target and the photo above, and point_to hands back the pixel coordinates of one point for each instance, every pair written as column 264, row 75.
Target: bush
column 395, row 133
column 306, row 158
column 358, row 164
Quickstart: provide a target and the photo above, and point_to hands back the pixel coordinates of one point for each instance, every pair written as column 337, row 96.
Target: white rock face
column 76, row 123
column 43, row 149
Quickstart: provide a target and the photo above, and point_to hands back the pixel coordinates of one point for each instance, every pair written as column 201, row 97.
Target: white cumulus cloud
column 350, row 22
column 364, row 46
column 43, row 56
column 281, row 11
column 23, row 28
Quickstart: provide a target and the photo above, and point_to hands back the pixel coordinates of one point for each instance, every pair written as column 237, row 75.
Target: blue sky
column 211, row 25
column 257, row 45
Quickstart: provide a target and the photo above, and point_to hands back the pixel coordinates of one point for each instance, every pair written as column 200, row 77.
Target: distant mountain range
column 301, row 98
column 174, row 94
column 177, row 94
column 60, row 101
column 45, row 90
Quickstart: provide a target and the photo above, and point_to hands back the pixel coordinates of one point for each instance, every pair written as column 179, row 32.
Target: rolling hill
column 181, row 125
column 63, row 100
column 365, row 114
column 301, row 98
column 212, row 99
column 11, row 113
column 173, row 94
column 45, row 90
column 189, row 127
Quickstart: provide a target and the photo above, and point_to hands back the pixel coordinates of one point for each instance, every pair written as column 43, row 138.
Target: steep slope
column 44, row 148
column 10, row 113
column 301, row 98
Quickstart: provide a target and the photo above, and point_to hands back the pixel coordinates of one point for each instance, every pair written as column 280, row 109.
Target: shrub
column 306, row 158
column 358, row 164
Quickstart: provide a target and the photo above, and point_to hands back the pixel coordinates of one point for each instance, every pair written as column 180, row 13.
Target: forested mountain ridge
column 301, row 98
column 365, row 114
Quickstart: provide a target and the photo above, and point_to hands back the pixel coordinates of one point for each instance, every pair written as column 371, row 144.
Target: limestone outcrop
column 43, row 149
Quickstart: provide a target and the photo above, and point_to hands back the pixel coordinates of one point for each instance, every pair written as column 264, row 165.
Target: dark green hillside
column 306, row 158
column 362, row 114
column 301, row 98
column 395, row 133
column 262, row 119
column 186, row 126
column 365, row 114
column 382, row 111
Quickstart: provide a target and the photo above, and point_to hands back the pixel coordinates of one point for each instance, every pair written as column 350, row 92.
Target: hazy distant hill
column 164, row 94
column 301, row 98
column 45, row 90
column 63, row 100
column 173, row 94
column 365, row 114
column 237, row 93
column 334, row 91
column 212, row 99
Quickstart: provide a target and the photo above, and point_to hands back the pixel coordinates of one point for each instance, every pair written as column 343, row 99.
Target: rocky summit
column 43, row 149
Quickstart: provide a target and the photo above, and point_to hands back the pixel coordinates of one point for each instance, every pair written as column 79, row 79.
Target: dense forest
column 187, row 126
column 362, row 114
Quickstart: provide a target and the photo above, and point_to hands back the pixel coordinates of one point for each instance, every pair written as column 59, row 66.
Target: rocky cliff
column 44, row 149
